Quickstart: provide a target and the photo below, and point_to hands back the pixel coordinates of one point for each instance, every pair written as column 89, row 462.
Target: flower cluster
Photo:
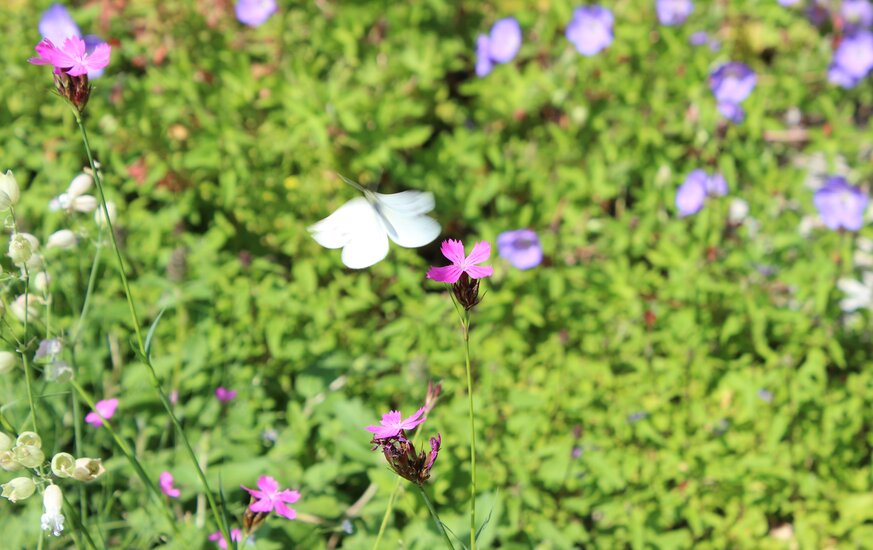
column 390, row 435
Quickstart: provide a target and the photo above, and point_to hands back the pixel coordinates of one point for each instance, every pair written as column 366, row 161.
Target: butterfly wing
column 404, row 215
column 354, row 227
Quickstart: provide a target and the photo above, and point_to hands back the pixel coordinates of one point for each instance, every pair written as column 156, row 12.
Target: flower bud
column 18, row 307
column 29, row 438
column 8, row 360
column 52, row 502
column 59, row 371
column 63, row 464
column 80, row 185
column 85, row 203
column 88, row 469
column 20, row 249
column 8, row 463
column 9, row 192
column 64, row 239
column 18, row 489
column 100, row 217
column 5, row 442
column 28, row 456
column 41, row 282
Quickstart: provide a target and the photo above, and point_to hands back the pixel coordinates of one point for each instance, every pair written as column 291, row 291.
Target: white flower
column 64, row 238
column 18, row 308
column 41, row 282
column 74, row 198
column 859, row 295
column 100, row 218
column 18, row 489
column 8, row 360
column 864, row 253
column 80, row 185
column 738, row 211
column 20, row 250
column 9, row 192
column 53, row 500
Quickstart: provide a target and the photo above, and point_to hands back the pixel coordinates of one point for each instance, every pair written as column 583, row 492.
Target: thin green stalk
column 435, row 517
column 219, row 518
column 387, row 515
column 78, row 523
column 28, row 375
column 466, row 326
column 92, row 281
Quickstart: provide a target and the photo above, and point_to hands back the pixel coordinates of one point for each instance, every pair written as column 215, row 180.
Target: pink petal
column 480, row 253
column 93, row 419
column 288, row 496
column 74, row 47
column 268, row 485
column 166, row 478
column 99, row 58
column 263, row 505
column 413, row 420
column 479, row 271
column 106, row 408
column 453, row 250
column 284, row 511
column 383, row 432
column 254, row 493
column 78, row 69
column 391, row 419
column 447, row 274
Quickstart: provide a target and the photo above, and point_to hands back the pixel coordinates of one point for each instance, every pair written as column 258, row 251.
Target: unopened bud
column 80, row 185
column 88, row 469
column 9, row 192
column 85, row 203
column 28, row 456
column 100, row 217
column 41, row 282
column 76, row 89
column 18, row 489
column 8, row 360
column 8, row 463
column 29, row 438
column 5, row 442
column 18, row 307
column 64, row 239
column 52, row 518
column 20, row 250
column 63, row 465
column 466, row 290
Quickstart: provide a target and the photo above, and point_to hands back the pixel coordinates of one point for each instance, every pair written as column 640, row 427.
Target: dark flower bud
column 401, row 455
column 75, row 89
column 466, row 291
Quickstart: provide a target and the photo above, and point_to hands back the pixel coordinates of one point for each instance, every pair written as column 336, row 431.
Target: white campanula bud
column 29, row 438
column 41, row 282
column 88, row 469
column 64, row 239
column 8, row 360
column 8, row 463
column 18, row 489
column 9, row 192
column 63, row 464
column 20, row 250
column 85, row 203
column 5, row 442
column 52, row 502
column 28, row 456
column 100, row 217
column 80, row 185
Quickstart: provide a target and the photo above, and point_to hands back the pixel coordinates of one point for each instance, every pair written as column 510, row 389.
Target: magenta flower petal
column 166, row 483
column 288, row 496
column 480, row 271
column 453, row 251
column 481, row 251
column 447, row 274
column 105, row 409
column 264, row 505
column 268, row 484
column 285, row 511
column 392, row 424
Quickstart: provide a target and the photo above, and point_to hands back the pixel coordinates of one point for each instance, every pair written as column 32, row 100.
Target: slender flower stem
column 466, row 326
column 28, row 375
column 387, row 515
column 436, row 517
column 218, row 516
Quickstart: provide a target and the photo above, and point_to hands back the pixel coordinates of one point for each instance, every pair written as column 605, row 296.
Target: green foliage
column 222, row 143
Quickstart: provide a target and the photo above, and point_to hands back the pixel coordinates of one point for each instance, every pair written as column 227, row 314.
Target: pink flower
column 454, row 251
column 104, row 411
column 71, row 58
column 235, row 535
column 224, row 395
column 270, row 498
column 392, row 424
column 166, row 482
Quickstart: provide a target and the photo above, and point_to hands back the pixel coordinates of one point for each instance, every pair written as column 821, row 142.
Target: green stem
column 78, row 523
column 28, row 375
column 435, row 517
column 92, row 281
column 466, row 326
column 387, row 515
column 219, row 518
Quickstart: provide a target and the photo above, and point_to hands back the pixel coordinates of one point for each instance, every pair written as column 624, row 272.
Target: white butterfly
column 362, row 226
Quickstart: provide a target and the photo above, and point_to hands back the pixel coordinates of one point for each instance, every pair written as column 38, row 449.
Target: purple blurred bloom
column 856, row 14
column 500, row 46
column 787, row 2
column 166, row 483
column 700, row 38
column 673, row 12
column 731, row 111
column 521, row 247
column 698, row 185
column 840, row 205
column 576, row 452
column 225, row 395
column 235, row 535
column 637, row 416
column 255, row 13
column 48, row 348
column 765, row 395
column 731, row 83
column 57, row 25
column 852, row 60
column 818, row 12
column 590, row 30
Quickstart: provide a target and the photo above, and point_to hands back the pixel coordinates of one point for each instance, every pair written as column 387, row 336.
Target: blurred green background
column 642, row 342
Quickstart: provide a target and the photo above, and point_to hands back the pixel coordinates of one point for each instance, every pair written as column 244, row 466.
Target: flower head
column 235, row 535
column 673, row 12
column 405, row 461
column 104, row 410
column 853, row 59
column 269, row 498
column 224, row 395
column 9, row 190
column 166, row 483
column 500, row 46
column 52, row 501
column 856, row 14
column 521, row 247
column 19, row 488
column 454, row 251
column 840, row 205
column 71, row 57
column 731, row 83
column 698, row 185
column 57, row 25
column 392, row 424
column 590, row 30
column 255, row 13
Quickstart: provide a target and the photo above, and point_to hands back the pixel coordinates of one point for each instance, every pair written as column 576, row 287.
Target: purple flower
column 521, row 247
column 269, row 498
column 818, row 12
column 698, row 185
column 787, row 2
column 72, row 57
column 699, row 38
column 58, row 25
column 673, row 12
column 590, row 30
column 731, row 83
column 840, row 205
column 224, row 395
column 765, row 395
column 454, row 251
column 392, row 424
column 255, row 13
column 852, row 60
column 500, row 46
column 857, row 14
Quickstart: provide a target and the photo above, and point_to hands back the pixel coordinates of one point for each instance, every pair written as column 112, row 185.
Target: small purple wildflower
column 788, row 2
column 521, row 247
column 166, row 483
column 699, row 185
column 267, row 498
column 104, row 410
column 840, row 205
column 765, row 395
column 501, row 45
column 225, row 395
column 673, row 12
column 856, row 14
column 590, row 30
column 255, row 13
column 576, row 452
column 853, row 60
column 699, row 38
column 731, row 83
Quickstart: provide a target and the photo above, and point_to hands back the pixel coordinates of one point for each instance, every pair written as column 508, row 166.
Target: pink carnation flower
column 166, row 482
column 224, row 395
column 105, row 409
column 454, row 251
column 72, row 57
column 235, row 535
column 392, row 424
column 270, row 498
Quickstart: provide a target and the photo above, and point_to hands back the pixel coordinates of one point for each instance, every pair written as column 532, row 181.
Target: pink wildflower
column 166, row 482
column 235, row 535
column 392, row 424
column 71, row 58
column 224, row 395
column 270, row 498
column 105, row 409
column 454, row 251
